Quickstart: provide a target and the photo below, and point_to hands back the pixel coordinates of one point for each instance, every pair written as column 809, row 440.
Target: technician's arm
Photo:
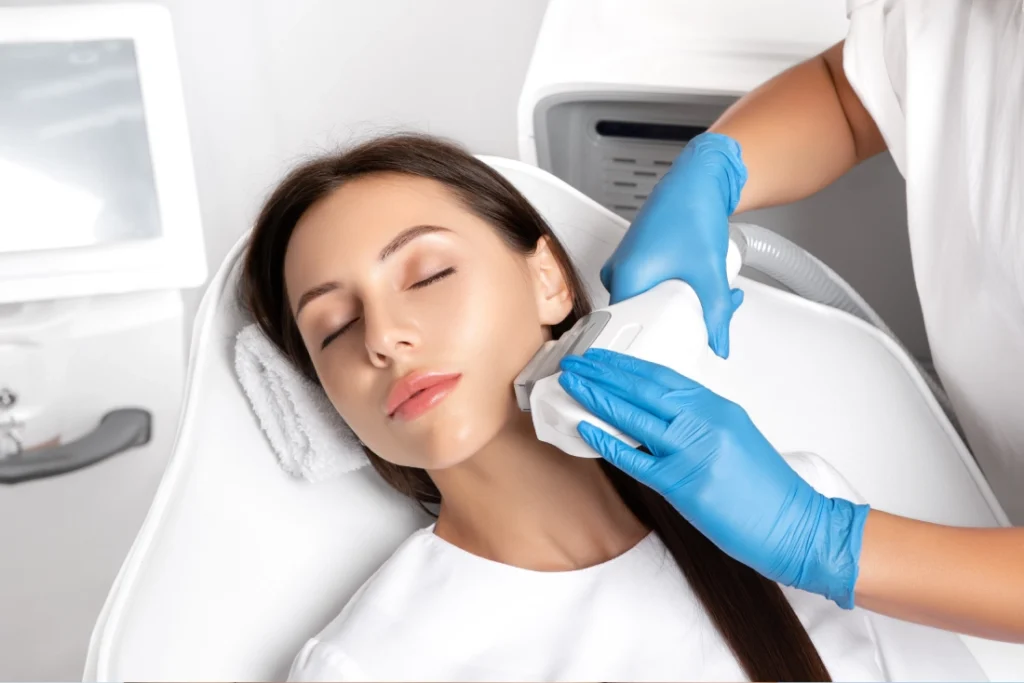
column 706, row 457
column 800, row 131
column 960, row 579
column 782, row 142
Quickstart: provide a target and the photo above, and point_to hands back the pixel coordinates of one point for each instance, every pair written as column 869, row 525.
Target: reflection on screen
column 75, row 167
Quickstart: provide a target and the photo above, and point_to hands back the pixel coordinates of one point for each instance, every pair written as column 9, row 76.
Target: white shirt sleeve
column 875, row 63
column 319, row 661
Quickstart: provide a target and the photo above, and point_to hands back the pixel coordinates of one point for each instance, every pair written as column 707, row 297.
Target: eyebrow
column 403, row 238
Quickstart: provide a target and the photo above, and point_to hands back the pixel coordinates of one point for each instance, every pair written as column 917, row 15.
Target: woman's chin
column 451, row 439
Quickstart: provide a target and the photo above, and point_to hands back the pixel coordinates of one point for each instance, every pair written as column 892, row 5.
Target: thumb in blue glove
column 713, row 465
column 682, row 232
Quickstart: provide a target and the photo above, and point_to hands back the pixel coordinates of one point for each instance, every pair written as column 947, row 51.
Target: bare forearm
column 960, row 579
column 799, row 132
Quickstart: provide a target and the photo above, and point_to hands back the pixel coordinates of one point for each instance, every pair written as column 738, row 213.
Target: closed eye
column 434, row 278
column 334, row 335
column 422, row 283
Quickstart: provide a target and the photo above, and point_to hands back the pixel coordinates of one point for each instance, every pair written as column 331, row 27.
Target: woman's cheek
column 352, row 396
column 461, row 320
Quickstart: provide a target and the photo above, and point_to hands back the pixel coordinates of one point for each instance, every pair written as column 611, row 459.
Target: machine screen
column 75, row 167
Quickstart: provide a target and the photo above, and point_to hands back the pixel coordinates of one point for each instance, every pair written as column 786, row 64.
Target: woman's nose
column 389, row 334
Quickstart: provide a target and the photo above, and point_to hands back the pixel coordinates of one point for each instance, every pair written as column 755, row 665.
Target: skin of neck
column 525, row 503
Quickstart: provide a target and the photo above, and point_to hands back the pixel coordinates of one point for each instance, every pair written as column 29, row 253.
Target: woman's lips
column 416, row 393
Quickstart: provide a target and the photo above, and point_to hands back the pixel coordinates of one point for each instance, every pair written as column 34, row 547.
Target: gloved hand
column 682, row 232
column 713, row 465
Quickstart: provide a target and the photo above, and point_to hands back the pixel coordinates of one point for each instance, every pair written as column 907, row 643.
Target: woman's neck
column 525, row 503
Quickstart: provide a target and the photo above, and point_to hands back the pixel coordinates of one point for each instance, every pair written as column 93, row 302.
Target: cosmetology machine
column 239, row 562
column 616, row 88
column 99, row 232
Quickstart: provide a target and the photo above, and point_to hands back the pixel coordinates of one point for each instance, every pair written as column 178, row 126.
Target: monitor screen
column 75, row 166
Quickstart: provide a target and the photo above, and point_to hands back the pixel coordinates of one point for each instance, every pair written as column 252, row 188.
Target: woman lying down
column 413, row 282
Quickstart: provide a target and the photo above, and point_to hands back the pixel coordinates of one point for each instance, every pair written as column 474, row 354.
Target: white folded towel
column 307, row 434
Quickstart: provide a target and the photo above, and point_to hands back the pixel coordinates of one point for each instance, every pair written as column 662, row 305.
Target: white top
column 944, row 80
column 436, row 612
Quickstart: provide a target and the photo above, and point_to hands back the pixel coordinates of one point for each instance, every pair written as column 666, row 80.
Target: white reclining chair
column 238, row 563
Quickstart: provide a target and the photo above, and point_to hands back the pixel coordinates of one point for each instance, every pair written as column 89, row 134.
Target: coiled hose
column 803, row 274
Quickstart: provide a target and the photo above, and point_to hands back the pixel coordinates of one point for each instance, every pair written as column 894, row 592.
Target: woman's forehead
column 358, row 220
column 384, row 199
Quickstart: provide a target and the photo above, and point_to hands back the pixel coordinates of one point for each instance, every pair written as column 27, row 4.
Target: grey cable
column 796, row 269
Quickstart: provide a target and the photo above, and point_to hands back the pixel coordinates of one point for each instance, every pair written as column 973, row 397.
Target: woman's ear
column 554, row 299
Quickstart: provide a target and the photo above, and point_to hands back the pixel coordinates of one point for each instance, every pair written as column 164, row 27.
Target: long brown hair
column 750, row 612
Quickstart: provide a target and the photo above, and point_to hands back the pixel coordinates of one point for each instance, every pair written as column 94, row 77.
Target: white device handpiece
column 664, row 325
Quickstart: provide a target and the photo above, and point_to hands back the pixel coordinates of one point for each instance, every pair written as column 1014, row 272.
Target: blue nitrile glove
column 713, row 465
column 682, row 232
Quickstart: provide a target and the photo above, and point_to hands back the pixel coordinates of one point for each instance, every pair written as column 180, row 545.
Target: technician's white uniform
column 944, row 80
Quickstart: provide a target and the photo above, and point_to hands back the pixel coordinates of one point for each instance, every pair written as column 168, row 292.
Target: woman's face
column 397, row 289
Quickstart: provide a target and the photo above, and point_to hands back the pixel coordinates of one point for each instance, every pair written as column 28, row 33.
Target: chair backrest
column 237, row 563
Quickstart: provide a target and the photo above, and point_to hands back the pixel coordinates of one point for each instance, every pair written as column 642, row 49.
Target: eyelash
column 434, row 278
column 422, row 283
